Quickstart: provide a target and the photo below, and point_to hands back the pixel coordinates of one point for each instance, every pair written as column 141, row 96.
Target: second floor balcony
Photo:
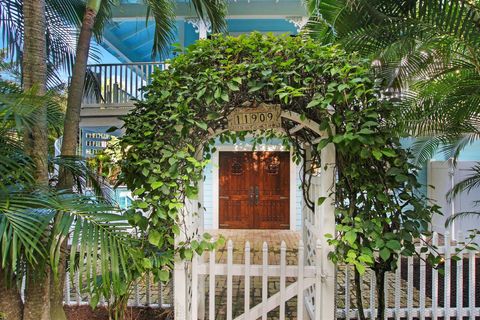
column 118, row 85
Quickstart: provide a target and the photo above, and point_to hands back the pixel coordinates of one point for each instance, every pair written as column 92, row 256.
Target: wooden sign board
column 265, row 116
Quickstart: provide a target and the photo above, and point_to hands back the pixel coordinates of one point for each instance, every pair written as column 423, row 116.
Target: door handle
column 251, row 196
column 256, row 194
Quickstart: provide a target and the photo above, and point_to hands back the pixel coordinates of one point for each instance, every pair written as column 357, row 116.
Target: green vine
column 170, row 135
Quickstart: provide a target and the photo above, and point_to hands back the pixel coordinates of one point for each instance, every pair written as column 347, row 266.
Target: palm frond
column 467, row 184
column 163, row 15
column 213, row 10
column 461, row 215
column 24, row 221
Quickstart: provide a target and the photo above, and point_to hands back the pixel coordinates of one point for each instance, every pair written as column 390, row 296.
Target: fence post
column 180, row 290
column 325, row 223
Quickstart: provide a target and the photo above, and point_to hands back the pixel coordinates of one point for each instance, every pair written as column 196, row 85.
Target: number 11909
column 252, row 118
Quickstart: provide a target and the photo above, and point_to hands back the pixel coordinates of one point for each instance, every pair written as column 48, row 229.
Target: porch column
column 326, row 224
column 191, row 222
column 202, row 27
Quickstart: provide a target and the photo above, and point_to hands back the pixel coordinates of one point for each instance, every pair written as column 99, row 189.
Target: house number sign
column 265, row 116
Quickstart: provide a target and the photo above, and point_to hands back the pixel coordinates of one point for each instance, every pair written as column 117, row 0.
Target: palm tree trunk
column 10, row 301
column 75, row 91
column 70, row 138
column 34, row 77
column 56, row 287
column 37, row 295
column 37, row 305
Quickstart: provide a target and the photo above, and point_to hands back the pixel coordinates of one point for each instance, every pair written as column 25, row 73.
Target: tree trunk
column 34, row 77
column 75, row 91
column 37, row 295
column 380, row 279
column 10, row 301
column 358, row 293
column 56, row 287
column 70, row 140
column 37, row 301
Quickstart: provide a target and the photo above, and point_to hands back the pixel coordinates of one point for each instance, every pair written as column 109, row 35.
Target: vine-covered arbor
column 230, row 88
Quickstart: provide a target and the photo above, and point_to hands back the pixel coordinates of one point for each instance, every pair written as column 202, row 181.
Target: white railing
column 144, row 293
column 117, row 84
column 417, row 291
column 251, row 279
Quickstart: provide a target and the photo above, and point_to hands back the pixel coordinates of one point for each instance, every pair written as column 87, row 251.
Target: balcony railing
column 117, row 84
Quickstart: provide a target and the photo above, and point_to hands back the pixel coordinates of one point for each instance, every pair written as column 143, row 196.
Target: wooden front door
column 254, row 190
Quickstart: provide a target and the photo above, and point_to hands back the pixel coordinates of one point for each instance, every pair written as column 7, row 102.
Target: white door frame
column 245, row 146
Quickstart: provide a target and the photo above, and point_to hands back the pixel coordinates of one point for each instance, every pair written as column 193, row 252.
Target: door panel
column 236, row 175
column 273, row 206
column 254, row 190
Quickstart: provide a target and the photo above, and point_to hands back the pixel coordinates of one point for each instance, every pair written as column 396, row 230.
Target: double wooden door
column 254, row 190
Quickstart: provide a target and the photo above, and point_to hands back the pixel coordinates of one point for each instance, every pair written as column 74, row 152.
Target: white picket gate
column 305, row 277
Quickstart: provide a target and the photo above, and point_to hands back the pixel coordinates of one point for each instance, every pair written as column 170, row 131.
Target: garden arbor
column 256, row 87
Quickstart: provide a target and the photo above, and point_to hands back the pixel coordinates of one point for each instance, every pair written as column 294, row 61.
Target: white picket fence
column 414, row 291
column 305, row 277
column 144, row 293
column 413, row 295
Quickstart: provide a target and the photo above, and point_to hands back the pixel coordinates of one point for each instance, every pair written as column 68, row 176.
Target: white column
column 202, row 27
column 182, row 278
column 298, row 21
column 326, row 224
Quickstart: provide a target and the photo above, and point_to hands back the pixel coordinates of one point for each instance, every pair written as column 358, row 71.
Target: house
column 267, row 179
column 130, row 40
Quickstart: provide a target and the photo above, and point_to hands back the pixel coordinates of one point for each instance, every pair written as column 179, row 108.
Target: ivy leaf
column 157, row 184
column 201, row 92
column 233, row 86
column 255, row 88
column 385, row 254
column 351, row 236
column 225, row 97
column 394, row 244
column 147, row 264
column 154, row 237
column 163, row 275
column 377, row 154
column 313, row 103
column 321, row 200
column 201, row 125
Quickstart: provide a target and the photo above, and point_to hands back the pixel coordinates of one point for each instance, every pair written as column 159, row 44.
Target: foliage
column 428, row 49
column 186, row 106
column 34, row 221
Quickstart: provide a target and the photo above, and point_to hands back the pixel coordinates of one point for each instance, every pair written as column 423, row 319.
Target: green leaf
column 157, row 184
column 394, row 244
column 147, row 264
column 154, row 237
column 321, row 200
column 163, row 275
column 385, row 254
column 351, row 237
column 313, row 103
column 377, row 154
column 233, row 86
